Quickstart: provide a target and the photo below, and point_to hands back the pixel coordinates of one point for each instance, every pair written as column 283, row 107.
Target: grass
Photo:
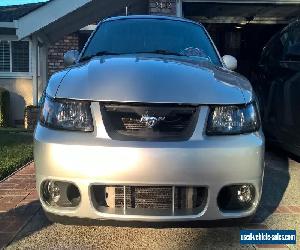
column 16, row 149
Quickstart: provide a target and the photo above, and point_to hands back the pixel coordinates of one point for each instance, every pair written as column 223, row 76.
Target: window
column 273, row 51
column 4, row 56
column 14, row 56
column 291, row 42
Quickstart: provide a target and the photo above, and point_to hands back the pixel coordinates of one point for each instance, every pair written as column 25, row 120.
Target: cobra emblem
column 151, row 121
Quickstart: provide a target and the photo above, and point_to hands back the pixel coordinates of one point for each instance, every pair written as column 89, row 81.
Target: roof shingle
column 14, row 12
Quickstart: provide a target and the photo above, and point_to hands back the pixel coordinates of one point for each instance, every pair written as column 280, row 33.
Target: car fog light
column 54, row 191
column 244, row 193
column 51, row 192
column 236, row 197
column 60, row 193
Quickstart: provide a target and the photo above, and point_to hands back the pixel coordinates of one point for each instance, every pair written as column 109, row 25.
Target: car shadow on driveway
column 276, row 181
column 14, row 221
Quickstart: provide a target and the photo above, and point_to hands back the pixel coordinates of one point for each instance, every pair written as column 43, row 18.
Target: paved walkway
column 23, row 224
column 18, row 203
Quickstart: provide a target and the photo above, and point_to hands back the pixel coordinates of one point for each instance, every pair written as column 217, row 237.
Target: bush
column 4, row 107
column 31, row 117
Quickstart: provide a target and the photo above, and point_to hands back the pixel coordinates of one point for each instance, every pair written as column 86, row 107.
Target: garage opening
column 245, row 42
column 242, row 30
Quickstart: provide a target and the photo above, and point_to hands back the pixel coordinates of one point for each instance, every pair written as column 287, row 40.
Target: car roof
column 157, row 17
column 290, row 25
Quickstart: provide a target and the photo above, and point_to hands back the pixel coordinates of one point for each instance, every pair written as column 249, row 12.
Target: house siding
column 20, row 96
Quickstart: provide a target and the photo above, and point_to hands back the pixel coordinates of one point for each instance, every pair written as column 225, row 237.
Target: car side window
column 290, row 38
column 265, row 56
column 272, row 54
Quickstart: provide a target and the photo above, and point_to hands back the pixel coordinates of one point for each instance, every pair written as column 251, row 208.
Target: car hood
column 144, row 78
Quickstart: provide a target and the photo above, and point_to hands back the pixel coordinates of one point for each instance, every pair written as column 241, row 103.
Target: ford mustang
column 149, row 123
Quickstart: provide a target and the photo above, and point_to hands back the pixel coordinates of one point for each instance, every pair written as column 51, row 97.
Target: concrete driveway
column 280, row 209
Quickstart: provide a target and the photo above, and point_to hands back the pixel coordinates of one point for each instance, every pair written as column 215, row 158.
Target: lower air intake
column 149, row 200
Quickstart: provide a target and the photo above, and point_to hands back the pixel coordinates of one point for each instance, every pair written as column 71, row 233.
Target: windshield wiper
column 158, row 51
column 161, row 52
column 100, row 53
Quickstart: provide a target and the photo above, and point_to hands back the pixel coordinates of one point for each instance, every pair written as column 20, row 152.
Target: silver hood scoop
column 147, row 79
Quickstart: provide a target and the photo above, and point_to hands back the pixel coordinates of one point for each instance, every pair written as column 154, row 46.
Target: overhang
column 60, row 17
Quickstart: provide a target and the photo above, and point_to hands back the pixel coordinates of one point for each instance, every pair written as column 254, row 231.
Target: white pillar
column 43, row 67
column 179, row 8
column 34, row 68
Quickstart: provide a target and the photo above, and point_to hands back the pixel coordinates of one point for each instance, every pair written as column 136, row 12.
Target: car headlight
column 66, row 114
column 233, row 119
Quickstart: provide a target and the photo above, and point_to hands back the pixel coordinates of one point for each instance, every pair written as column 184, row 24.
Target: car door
column 289, row 120
column 280, row 87
column 269, row 84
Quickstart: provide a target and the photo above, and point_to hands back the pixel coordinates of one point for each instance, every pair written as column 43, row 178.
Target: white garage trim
column 240, row 20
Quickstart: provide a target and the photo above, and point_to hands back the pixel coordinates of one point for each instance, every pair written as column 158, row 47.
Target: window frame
column 289, row 33
column 10, row 74
column 265, row 59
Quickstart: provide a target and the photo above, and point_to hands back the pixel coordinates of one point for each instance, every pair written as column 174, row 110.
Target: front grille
column 133, row 121
column 149, row 200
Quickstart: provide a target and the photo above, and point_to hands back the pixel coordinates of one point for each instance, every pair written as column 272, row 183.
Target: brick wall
column 57, row 50
column 162, row 7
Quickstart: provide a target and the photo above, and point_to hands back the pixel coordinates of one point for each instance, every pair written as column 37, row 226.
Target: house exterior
column 15, row 60
column 34, row 37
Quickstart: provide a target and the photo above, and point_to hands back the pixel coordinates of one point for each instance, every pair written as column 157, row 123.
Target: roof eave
column 28, row 24
column 9, row 25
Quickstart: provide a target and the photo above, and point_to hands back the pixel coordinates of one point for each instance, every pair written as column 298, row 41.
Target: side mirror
column 230, row 62
column 71, row 57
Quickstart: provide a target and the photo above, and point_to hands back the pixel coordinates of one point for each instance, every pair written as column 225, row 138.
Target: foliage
column 4, row 107
column 16, row 149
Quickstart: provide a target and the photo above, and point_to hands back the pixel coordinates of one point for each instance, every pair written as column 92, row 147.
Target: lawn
column 16, row 149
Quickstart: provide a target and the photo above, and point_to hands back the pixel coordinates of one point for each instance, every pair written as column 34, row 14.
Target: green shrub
column 4, row 107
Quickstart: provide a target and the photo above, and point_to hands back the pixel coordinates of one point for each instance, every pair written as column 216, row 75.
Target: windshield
column 161, row 36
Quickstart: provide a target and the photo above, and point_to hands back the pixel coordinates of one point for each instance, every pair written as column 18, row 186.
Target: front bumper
column 87, row 159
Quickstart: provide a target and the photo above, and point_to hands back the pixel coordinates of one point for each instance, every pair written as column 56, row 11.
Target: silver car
column 149, row 123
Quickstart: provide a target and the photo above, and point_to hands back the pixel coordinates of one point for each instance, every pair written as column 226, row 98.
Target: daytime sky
column 18, row 2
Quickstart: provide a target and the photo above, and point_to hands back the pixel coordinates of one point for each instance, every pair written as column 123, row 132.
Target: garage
column 241, row 28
